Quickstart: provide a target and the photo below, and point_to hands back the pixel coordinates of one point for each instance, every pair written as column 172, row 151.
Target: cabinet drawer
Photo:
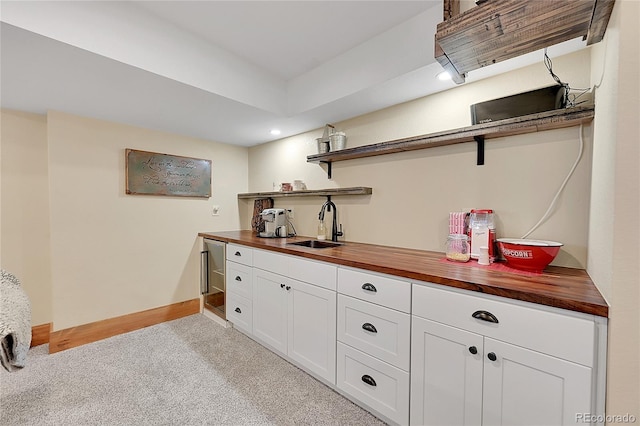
column 387, row 390
column 313, row 272
column 375, row 330
column 382, row 290
column 554, row 333
column 271, row 261
column 240, row 254
column 240, row 312
column 238, row 279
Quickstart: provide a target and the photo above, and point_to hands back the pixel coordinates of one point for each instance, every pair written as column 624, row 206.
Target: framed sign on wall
column 152, row 173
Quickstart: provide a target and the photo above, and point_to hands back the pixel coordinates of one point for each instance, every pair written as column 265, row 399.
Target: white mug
column 281, row 231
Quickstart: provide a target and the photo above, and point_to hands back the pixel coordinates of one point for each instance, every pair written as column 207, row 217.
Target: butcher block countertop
column 565, row 288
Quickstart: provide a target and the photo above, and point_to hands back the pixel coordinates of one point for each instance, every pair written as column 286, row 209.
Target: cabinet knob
column 238, row 310
column 281, row 285
column 238, row 253
column 369, row 287
column 369, row 327
column 492, row 356
column 473, row 350
column 369, row 380
column 288, row 287
column 485, row 316
column 238, row 278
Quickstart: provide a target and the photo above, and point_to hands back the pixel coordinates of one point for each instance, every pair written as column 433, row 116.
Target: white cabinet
column 377, row 385
column 240, row 254
column 376, row 330
column 374, row 342
column 239, row 279
column 446, row 378
column 239, row 306
column 465, row 375
column 270, row 309
column 524, row 387
column 239, row 312
column 311, row 328
column 295, row 318
column 420, row 353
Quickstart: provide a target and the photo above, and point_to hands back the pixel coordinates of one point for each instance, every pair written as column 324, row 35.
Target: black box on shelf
column 540, row 100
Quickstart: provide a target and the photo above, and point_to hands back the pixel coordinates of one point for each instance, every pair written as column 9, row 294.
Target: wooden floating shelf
column 498, row 30
column 358, row 190
column 532, row 123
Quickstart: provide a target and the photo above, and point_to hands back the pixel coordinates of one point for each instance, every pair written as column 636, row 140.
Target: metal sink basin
column 316, row 243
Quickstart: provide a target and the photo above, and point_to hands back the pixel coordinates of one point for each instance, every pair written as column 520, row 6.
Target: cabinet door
column 524, row 387
column 312, row 328
column 446, row 376
column 270, row 309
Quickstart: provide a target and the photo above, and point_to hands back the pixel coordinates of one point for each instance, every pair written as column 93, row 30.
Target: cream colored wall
column 24, row 209
column 614, row 231
column 413, row 192
column 113, row 254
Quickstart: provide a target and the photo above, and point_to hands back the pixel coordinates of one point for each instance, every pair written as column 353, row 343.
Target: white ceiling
column 226, row 71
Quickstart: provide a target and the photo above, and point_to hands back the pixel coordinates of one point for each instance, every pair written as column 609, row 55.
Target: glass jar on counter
column 457, row 248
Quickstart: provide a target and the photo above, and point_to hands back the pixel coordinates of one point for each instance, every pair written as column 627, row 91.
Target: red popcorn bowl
column 528, row 255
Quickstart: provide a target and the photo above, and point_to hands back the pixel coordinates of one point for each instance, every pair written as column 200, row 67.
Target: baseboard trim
column 88, row 333
column 40, row 334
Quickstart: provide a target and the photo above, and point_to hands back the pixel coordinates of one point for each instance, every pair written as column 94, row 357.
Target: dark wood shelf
column 358, row 190
column 498, row 30
column 549, row 120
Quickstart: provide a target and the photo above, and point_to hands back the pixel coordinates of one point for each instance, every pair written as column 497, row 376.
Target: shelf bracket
column 328, row 163
column 480, row 142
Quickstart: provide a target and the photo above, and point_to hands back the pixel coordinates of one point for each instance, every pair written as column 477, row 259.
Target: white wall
column 110, row 253
column 414, row 191
column 24, row 239
column 614, row 231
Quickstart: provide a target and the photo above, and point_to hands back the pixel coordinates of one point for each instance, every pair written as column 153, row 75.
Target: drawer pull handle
column 485, row 316
column 492, row 356
column 238, row 278
column 473, row 350
column 238, row 253
column 238, row 310
column 369, row 287
column 369, row 380
column 369, row 327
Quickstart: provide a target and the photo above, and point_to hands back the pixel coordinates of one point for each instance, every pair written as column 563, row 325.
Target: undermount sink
column 316, row 244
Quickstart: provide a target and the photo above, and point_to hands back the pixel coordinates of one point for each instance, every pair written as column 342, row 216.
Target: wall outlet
column 290, row 213
column 215, row 211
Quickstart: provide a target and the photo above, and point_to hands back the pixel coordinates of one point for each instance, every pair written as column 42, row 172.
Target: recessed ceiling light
column 275, row 132
column 443, row 76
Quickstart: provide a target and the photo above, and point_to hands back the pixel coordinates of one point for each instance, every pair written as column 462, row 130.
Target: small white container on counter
column 479, row 238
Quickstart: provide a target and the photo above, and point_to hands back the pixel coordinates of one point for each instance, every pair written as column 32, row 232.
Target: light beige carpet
column 189, row 371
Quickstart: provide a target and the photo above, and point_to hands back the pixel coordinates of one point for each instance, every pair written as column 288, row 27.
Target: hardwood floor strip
column 40, row 334
column 87, row 333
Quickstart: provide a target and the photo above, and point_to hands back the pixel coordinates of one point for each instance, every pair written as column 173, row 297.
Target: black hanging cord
column 570, row 100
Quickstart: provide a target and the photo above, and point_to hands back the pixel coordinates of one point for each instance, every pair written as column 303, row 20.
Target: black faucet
column 328, row 205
